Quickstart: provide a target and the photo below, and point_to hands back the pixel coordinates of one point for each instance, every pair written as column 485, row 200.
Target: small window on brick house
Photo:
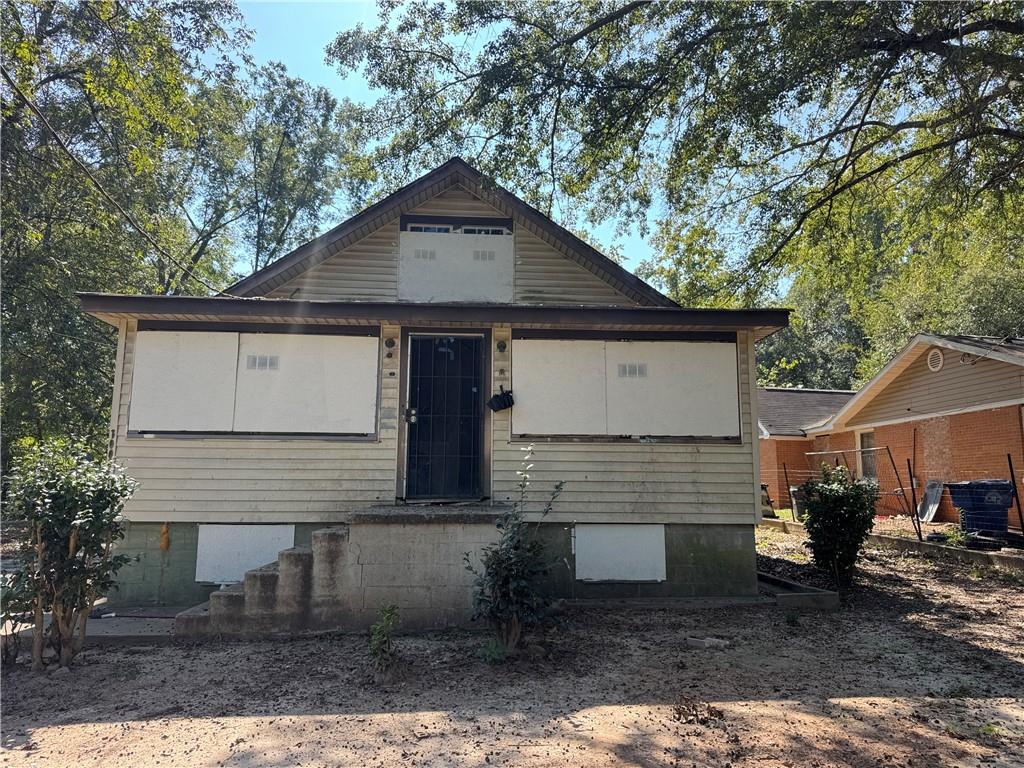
column 866, row 456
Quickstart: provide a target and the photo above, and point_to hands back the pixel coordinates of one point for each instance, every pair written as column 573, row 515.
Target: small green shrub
column 506, row 591
column 71, row 503
column 493, row 651
column 382, row 644
column 955, row 537
column 839, row 514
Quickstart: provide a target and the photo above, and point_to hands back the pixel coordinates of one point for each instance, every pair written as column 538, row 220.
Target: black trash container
column 985, row 504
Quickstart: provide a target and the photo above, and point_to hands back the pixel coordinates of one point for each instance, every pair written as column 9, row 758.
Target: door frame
column 404, row 380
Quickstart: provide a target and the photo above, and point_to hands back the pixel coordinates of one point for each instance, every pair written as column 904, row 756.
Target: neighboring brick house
column 953, row 405
column 784, row 416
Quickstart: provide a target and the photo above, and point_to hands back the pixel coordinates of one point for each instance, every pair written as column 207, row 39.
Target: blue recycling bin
column 984, row 504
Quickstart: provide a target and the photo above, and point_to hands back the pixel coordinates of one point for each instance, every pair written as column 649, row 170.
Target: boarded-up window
column 183, row 382
column 625, row 388
column 452, row 266
column 688, row 388
column 620, row 552
column 319, row 384
column 225, row 552
column 559, row 387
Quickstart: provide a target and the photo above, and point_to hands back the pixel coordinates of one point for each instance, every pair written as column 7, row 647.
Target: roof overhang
column 916, row 347
column 112, row 308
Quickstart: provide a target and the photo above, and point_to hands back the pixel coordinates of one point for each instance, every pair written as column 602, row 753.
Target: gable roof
column 1008, row 349
column 455, row 172
column 790, row 411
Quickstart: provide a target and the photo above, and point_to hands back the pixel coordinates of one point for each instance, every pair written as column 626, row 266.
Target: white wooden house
column 346, row 385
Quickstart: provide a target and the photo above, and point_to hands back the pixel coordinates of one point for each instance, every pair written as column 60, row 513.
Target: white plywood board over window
column 183, row 381
column 558, row 387
column 306, row 383
column 226, row 552
column 438, row 267
column 672, row 388
column 620, row 552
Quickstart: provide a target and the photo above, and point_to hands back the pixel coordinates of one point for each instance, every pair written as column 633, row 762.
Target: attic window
column 935, row 359
column 485, row 231
column 436, row 228
column 261, row 362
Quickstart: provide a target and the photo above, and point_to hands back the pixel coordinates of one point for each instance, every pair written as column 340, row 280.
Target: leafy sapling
column 507, row 592
column 71, row 503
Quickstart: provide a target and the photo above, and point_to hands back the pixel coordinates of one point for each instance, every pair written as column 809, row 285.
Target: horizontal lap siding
column 365, row 271
column 918, row 391
column 545, row 276
column 368, row 269
column 631, row 482
column 230, row 480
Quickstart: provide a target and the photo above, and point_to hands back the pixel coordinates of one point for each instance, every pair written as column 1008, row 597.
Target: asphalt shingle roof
column 790, row 411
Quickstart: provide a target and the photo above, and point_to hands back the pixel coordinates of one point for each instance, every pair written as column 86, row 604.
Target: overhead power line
column 185, row 271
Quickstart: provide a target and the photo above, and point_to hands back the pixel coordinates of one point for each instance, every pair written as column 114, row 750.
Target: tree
column 71, row 503
column 141, row 153
column 754, row 115
column 777, row 149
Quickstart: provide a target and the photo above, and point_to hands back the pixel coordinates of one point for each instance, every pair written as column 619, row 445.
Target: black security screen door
column 445, row 415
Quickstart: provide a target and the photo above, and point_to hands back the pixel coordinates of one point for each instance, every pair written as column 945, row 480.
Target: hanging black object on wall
column 501, row 401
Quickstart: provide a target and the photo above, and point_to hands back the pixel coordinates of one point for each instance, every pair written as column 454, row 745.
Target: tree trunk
column 37, row 637
column 37, row 633
column 83, row 617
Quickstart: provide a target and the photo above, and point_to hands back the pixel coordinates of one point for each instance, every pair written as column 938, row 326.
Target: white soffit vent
column 935, row 359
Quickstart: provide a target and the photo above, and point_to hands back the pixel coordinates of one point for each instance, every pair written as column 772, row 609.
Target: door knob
column 410, row 415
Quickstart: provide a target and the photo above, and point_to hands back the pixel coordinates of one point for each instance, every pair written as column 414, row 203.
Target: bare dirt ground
column 923, row 666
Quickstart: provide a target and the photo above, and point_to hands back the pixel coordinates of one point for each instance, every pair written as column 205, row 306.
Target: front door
column 445, row 416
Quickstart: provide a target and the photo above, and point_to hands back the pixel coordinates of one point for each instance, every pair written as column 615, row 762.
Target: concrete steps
column 296, row 592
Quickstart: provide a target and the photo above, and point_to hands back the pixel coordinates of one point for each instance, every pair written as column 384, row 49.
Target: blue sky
column 296, row 33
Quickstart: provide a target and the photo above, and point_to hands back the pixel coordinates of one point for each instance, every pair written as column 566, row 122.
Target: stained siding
column 545, row 276
column 257, row 480
column 273, row 480
column 365, row 271
column 628, row 481
column 368, row 269
column 917, row 391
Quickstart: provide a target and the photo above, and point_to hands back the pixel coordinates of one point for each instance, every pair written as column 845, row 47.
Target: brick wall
column 782, row 457
column 966, row 446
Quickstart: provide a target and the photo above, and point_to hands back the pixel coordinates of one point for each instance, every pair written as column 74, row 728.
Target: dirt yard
column 924, row 666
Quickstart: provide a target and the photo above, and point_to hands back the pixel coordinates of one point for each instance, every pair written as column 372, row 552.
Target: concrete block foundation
column 415, row 560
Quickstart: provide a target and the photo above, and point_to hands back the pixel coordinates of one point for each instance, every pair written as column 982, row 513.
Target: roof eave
column 112, row 308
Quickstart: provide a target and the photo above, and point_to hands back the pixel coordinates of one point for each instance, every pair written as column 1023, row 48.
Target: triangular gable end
column 357, row 259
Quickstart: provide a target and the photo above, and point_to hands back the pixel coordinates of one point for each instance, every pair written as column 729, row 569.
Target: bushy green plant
column 839, row 514
column 382, row 644
column 507, row 590
column 955, row 537
column 71, row 503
